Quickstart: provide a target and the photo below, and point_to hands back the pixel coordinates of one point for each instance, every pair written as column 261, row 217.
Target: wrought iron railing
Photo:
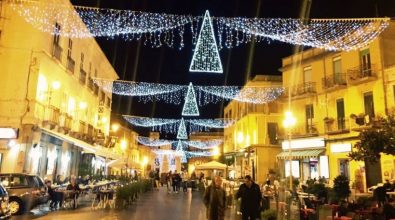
column 337, row 79
column 361, row 72
column 70, row 65
column 82, row 76
column 57, row 52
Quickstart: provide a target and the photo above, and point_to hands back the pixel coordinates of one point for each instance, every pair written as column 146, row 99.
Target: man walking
column 250, row 195
column 215, row 200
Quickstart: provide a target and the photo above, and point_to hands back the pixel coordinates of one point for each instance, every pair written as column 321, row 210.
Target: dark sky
column 166, row 65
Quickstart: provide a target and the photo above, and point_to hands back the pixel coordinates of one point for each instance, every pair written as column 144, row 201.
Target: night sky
column 166, row 65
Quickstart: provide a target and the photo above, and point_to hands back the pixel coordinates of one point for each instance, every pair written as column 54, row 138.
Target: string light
column 178, row 125
column 172, row 93
column 206, row 57
column 182, row 132
column 190, row 107
column 179, row 147
column 153, row 142
column 160, row 29
column 190, row 154
column 204, row 145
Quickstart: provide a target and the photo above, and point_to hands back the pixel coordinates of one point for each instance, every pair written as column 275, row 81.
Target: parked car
column 25, row 191
column 5, row 212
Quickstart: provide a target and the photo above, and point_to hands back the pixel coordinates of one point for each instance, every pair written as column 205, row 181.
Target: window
column 272, row 129
column 82, row 61
column 307, row 74
column 57, row 29
column 368, row 103
column 344, row 167
column 14, row 181
column 69, row 48
column 366, row 66
column 337, row 70
column 108, row 102
column 309, row 117
column 341, row 116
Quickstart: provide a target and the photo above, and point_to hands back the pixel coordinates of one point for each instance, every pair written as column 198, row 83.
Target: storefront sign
column 341, row 147
column 324, row 166
column 8, row 133
column 304, row 143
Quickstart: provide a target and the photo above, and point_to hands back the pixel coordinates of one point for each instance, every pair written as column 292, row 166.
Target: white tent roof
column 213, row 165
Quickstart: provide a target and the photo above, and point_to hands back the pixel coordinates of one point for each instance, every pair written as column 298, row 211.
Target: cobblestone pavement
column 151, row 206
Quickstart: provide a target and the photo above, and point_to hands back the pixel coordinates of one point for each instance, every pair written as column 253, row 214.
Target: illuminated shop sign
column 304, row 143
column 9, row 133
column 342, row 147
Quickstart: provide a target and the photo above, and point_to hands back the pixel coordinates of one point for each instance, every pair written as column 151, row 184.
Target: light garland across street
column 157, row 29
column 172, row 125
column 153, row 142
column 173, row 93
column 199, row 144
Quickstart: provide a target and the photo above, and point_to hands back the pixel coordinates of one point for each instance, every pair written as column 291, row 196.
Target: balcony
column 336, row 126
column 334, row 82
column 91, row 84
column 65, row 122
column 51, row 117
column 362, row 121
column 303, row 90
column 307, row 130
column 82, row 76
column 362, row 74
column 57, row 52
column 70, row 65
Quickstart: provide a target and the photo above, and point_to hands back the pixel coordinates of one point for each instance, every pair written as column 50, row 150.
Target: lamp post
column 288, row 123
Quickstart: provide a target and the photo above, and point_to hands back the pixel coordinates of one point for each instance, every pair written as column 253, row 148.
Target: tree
column 341, row 187
column 376, row 140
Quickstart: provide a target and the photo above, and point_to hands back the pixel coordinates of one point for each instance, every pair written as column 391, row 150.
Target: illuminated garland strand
column 153, row 142
column 172, row 93
column 204, row 145
column 164, row 29
column 173, row 125
column 188, row 154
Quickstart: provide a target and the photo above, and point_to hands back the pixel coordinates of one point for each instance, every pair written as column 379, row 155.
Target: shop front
column 308, row 159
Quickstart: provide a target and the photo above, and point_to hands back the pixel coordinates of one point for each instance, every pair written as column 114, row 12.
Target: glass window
column 366, row 66
column 368, row 103
column 341, row 116
column 272, row 132
column 69, row 48
column 307, row 74
column 344, row 167
column 14, row 181
column 57, row 29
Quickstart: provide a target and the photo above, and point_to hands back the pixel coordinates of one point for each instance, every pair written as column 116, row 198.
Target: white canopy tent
column 213, row 165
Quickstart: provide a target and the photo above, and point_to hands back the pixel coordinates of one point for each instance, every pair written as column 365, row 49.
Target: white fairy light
column 190, row 107
column 172, row 93
column 160, row 29
column 153, row 142
column 206, row 57
column 190, row 154
column 204, row 145
column 182, row 132
column 178, row 125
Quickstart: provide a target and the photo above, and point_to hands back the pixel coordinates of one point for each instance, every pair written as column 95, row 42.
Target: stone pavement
column 151, row 206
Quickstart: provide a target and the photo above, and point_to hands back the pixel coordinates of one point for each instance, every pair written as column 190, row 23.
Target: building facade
column 252, row 140
column 49, row 99
column 334, row 96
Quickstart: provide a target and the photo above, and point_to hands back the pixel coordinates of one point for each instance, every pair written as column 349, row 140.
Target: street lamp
column 114, row 127
column 124, row 144
column 288, row 123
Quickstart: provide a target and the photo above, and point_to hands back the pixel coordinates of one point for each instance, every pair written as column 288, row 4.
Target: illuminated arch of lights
column 158, row 29
column 175, row 94
column 199, row 144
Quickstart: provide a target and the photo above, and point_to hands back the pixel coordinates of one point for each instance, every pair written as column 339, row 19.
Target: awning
column 300, row 154
column 97, row 150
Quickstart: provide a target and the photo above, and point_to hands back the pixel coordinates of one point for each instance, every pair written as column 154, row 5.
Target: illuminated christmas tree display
column 182, row 131
column 190, row 106
column 206, row 57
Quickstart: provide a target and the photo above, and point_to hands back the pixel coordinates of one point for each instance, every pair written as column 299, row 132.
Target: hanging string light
column 204, row 145
column 173, row 125
column 190, row 107
column 206, row 57
column 191, row 154
column 172, row 93
column 153, row 142
column 158, row 29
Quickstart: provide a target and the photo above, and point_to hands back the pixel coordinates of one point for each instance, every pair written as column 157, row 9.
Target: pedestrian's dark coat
column 250, row 198
column 209, row 202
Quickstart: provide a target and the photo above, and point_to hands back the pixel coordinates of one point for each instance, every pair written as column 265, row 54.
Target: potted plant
column 341, row 187
column 269, row 214
column 329, row 120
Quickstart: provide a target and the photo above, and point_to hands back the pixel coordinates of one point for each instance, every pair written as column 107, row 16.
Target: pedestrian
column 176, row 180
column 184, row 177
column 267, row 194
column 215, row 200
column 74, row 187
column 250, row 195
column 157, row 179
column 169, row 181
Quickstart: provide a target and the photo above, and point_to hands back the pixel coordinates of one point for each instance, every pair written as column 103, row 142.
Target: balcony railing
column 96, row 89
column 57, row 52
column 51, row 115
column 82, row 127
column 361, row 74
column 305, row 130
column 334, row 81
column 70, row 64
column 82, row 76
column 91, row 83
column 303, row 89
column 337, row 125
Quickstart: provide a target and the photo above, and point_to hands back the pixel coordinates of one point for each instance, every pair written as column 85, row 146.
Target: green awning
column 300, row 154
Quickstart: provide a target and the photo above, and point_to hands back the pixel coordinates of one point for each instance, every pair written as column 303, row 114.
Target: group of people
column 249, row 192
column 175, row 181
column 58, row 196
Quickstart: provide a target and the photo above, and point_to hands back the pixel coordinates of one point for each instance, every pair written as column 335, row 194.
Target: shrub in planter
column 269, row 214
column 341, row 187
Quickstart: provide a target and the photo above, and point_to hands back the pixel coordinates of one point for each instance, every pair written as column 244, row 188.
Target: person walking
column 250, row 195
column 215, row 200
column 176, row 179
column 169, row 181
